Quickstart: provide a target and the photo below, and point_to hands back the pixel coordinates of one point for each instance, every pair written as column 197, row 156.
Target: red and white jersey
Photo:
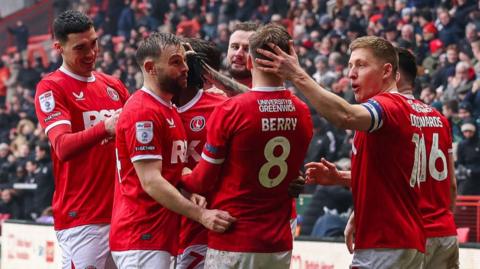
column 83, row 185
column 260, row 138
column 195, row 115
column 388, row 165
column 148, row 129
column 435, row 186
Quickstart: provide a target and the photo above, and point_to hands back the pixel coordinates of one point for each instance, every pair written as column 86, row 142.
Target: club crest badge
column 113, row 94
column 144, row 131
column 197, row 123
column 47, row 102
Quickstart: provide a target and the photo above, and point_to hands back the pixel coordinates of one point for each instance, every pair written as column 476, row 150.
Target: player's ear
column 387, row 70
column 249, row 62
column 149, row 66
column 58, row 46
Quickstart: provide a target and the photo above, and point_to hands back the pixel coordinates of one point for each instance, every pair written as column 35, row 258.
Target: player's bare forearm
column 346, row 178
column 225, row 82
column 155, row 185
column 334, row 108
column 453, row 181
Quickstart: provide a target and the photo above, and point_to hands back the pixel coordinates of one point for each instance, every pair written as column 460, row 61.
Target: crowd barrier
column 30, row 245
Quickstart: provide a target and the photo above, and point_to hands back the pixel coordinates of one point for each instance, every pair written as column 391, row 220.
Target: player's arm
column 203, row 177
column 222, row 82
column 453, row 181
column 67, row 144
column 326, row 173
column 334, row 108
column 153, row 183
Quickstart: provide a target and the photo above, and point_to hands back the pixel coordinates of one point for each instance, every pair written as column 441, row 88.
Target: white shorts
column 85, row 246
column 193, row 257
column 217, row 259
column 142, row 259
column 387, row 259
column 442, row 252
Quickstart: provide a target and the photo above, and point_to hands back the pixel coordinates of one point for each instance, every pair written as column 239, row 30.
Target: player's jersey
column 194, row 116
column 148, row 129
column 435, row 186
column 261, row 138
column 385, row 190
column 83, row 185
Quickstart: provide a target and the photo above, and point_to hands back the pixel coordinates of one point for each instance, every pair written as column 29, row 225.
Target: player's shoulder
column 215, row 98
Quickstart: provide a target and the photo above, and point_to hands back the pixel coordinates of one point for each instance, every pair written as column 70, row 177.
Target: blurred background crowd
column 444, row 36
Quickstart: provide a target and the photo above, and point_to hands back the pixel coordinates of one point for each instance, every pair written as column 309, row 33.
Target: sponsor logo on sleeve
column 197, row 123
column 113, row 94
column 144, row 131
column 52, row 116
column 47, row 102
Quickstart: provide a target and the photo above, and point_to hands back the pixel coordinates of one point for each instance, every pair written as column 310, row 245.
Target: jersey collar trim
column 160, row 100
column 268, row 89
column 75, row 76
column 408, row 96
column 192, row 102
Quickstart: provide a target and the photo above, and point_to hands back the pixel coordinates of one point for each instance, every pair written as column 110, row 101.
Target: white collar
column 408, row 96
column 192, row 102
column 268, row 89
column 160, row 100
column 75, row 76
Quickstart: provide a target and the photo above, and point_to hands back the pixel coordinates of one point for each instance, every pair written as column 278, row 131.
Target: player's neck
column 164, row 95
column 75, row 72
column 245, row 81
column 186, row 96
column 263, row 80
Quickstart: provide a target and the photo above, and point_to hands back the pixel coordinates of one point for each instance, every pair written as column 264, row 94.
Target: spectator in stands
column 468, row 154
column 458, row 84
column 4, row 75
column 10, row 204
column 43, row 177
column 20, row 31
column 126, row 21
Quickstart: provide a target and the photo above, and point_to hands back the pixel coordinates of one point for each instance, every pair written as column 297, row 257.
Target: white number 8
column 273, row 160
column 419, row 169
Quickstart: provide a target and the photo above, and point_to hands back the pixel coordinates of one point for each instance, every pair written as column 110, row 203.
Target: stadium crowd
column 445, row 40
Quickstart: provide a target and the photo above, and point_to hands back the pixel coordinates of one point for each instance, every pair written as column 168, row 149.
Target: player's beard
column 171, row 85
column 239, row 74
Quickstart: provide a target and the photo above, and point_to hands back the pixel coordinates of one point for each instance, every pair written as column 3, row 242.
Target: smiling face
column 79, row 52
column 366, row 73
column 237, row 54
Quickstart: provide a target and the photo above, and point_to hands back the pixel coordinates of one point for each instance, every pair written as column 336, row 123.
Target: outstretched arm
column 334, row 108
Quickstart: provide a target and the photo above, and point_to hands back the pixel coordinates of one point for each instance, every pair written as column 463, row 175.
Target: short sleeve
column 50, row 106
column 143, row 134
column 377, row 114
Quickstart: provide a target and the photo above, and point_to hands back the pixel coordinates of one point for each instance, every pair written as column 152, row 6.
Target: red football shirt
column 435, row 186
column 148, row 129
column 195, row 115
column 386, row 194
column 261, row 138
column 83, row 185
